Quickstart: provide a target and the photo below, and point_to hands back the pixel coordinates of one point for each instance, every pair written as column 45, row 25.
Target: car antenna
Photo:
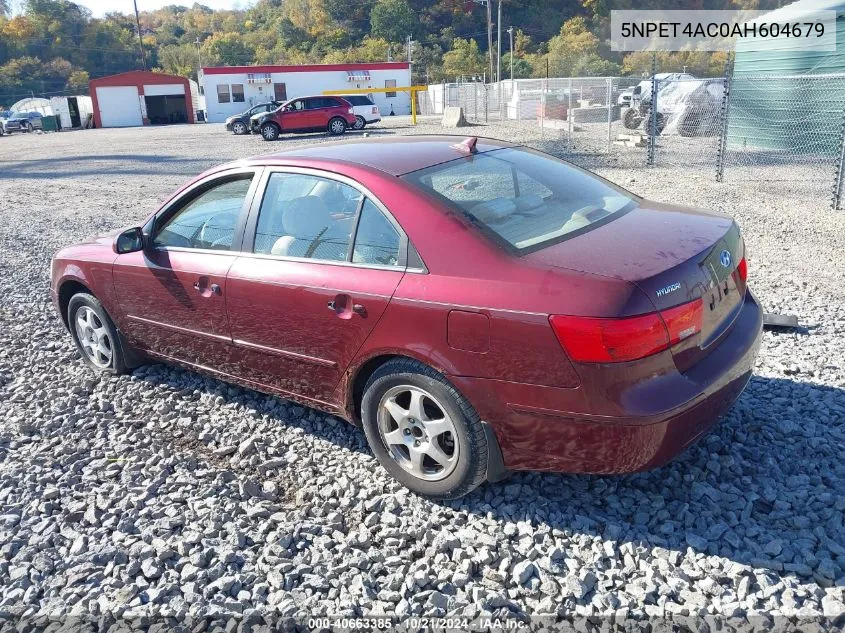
column 467, row 146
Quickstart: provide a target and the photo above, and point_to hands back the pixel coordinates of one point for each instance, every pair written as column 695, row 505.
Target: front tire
column 95, row 335
column 423, row 431
column 239, row 128
column 360, row 123
column 270, row 131
column 337, row 126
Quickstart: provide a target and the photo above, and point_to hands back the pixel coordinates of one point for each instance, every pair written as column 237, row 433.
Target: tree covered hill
column 53, row 47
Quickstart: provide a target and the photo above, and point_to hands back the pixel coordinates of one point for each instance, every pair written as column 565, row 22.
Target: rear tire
column 423, row 431
column 95, row 335
column 239, row 128
column 270, row 131
column 632, row 119
column 336, row 126
column 360, row 123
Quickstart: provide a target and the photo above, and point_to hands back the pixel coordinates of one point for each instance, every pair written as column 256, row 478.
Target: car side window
column 376, row 241
column 306, row 216
column 209, row 219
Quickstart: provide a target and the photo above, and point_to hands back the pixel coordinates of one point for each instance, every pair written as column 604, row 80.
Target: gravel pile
column 166, row 493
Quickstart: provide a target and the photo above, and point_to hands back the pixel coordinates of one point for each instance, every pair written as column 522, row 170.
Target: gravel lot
column 168, row 493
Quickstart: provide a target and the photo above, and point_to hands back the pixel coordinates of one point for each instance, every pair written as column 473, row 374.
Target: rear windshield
column 525, row 199
column 359, row 100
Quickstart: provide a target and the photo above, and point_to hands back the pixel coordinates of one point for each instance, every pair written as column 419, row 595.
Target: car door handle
column 207, row 291
column 343, row 307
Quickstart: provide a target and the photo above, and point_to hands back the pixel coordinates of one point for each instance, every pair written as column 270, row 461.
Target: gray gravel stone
column 167, row 489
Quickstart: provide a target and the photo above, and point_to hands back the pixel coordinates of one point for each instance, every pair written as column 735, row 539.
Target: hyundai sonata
column 477, row 307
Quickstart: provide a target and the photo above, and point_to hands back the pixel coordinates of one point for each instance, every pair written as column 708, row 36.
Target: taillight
column 683, row 321
column 597, row 340
column 742, row 269
column 351, row 111
column 375, row 110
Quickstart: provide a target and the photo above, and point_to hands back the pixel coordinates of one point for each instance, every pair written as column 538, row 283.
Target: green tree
column 227, row 49
column 521, row 67
column 393, row 20
column 178, row 59
column 77, row 82
column 463, row 59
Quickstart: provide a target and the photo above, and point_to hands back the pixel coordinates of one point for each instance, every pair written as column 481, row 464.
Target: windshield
column 526, row 199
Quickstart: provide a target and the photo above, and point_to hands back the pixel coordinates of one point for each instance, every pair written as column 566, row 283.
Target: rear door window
column 376, row 241
column 306, row 216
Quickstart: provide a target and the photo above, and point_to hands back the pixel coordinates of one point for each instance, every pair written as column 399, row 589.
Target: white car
column 625, row 97
column 365, row 110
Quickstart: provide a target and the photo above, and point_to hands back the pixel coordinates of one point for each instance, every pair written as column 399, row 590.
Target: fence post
column 652, row 131
column 609, row 114
column 837, row 183
column 723, row 121
column 542, row 108
column 569, row 116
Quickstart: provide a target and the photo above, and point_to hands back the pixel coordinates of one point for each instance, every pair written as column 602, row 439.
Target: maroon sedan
column 477, row 307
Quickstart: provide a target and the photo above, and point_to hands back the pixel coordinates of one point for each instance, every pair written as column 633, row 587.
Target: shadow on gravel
column 103, row 164
column 764, row 489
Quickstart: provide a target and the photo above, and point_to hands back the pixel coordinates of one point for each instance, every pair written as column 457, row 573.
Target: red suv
column 308, row 114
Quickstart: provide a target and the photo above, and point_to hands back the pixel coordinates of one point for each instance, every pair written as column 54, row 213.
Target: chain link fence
column 789, row 128
column 766, row 128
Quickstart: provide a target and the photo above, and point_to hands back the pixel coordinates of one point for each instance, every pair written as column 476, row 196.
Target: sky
column 100, row 7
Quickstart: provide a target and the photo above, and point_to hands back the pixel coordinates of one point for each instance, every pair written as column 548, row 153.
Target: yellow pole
column 413, row 107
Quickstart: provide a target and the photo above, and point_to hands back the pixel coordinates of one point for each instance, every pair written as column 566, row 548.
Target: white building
column 231, row 90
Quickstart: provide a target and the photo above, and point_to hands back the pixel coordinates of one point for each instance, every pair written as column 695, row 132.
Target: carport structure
column 139, row 97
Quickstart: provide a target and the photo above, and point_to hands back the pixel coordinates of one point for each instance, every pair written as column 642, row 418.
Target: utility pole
column 199, row 57
column 410, row 69
column 490, row 35
column 510, row 32
column 140, row 39
column 499, row 45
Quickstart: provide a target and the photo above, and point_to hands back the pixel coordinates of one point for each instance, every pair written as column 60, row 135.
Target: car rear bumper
column 373, row 120
column 537, row 428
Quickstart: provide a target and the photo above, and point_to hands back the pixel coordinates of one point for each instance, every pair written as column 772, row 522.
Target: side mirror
column 130, row 241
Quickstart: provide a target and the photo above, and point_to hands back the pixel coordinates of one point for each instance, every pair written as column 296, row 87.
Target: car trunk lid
column 675, row 256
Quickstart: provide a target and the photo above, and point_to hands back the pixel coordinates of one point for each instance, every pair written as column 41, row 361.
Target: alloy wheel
column 359, row 123
column 239, row 128
column 93, row 337
column 418, row 432
column 269, row 133
column 338, row 126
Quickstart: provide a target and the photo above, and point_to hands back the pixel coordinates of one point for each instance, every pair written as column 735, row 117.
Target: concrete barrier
column 595, row 114
column 453, row 116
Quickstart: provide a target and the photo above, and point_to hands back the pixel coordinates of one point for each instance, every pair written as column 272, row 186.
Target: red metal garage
column 140, row 97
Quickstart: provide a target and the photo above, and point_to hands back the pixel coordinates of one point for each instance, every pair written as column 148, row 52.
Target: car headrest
column 494, row 210
column 305, row 216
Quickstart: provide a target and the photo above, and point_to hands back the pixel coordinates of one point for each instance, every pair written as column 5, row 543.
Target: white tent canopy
column 33, row 104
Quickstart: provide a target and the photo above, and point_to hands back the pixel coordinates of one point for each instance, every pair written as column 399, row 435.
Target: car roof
column 395, row 155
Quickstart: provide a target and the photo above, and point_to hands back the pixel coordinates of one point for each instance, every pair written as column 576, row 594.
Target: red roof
column 305, row 68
